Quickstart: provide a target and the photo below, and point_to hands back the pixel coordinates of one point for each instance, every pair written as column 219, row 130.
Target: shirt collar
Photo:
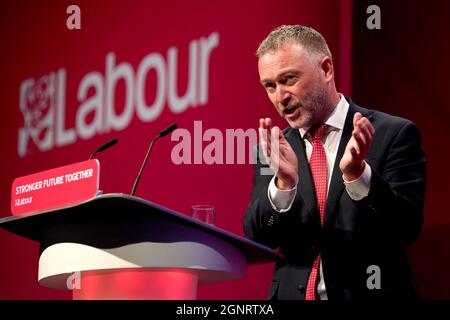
column 337, row 118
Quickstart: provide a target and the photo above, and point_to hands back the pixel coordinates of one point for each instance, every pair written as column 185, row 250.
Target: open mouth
column 290, row 109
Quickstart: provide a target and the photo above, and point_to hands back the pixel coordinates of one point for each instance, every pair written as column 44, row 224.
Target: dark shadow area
column 402, row 69
column 431, row 264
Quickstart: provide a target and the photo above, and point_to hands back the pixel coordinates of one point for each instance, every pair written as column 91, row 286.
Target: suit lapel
column 337, row 183
column 305, row 187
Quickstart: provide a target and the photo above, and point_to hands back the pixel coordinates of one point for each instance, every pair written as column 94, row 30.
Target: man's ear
column 326, row 65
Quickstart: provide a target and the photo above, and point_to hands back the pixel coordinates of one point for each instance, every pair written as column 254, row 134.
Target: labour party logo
column 37, row 104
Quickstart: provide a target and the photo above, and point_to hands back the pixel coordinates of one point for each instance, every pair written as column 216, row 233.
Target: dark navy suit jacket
column 356, row 235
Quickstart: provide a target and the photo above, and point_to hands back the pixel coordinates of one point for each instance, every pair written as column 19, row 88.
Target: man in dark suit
column 346, row 197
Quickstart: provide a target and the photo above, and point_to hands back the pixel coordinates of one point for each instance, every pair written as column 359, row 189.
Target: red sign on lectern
column 55, row 188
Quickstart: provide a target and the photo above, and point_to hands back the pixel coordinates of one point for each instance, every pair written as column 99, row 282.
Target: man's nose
column 283, row 96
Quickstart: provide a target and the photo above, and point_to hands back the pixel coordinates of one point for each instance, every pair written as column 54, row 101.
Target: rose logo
column 37, row 101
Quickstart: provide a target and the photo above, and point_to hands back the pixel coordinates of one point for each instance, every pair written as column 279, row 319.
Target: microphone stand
column 143, row 165
column 161, row 134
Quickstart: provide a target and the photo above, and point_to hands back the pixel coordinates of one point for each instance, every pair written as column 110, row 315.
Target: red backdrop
column 136, row 36
column 403, row 69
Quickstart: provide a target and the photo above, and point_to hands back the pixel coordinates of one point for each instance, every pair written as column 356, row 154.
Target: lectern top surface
column 115, row 210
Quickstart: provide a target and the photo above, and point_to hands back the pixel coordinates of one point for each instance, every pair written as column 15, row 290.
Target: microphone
column 104, row 146
column 161, row 134
column 167, row 130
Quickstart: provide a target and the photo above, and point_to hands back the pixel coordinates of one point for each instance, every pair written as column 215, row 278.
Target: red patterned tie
column 318, row 165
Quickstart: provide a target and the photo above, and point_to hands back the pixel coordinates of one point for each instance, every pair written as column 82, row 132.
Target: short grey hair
column 310, row 39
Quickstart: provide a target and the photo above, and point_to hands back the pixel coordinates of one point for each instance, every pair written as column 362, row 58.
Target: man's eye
column 269, row 85
column 291, row 78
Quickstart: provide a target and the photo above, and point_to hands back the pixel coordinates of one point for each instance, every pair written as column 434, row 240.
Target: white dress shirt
column 281, row 200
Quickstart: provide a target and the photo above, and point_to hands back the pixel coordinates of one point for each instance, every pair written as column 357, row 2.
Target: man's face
column 295, row 83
